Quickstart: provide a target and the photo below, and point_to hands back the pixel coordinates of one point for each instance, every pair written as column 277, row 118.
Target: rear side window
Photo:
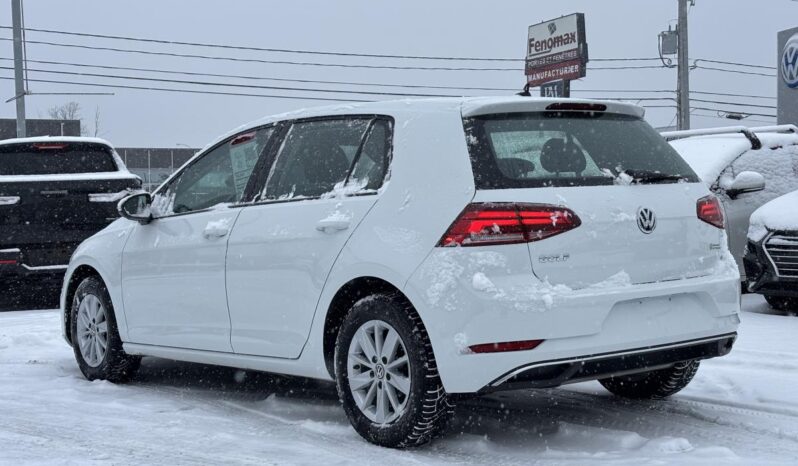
column 55, row 158
column 527, row 150
column 318, row 156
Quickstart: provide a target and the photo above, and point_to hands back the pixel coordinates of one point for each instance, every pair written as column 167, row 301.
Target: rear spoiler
column 749, row 133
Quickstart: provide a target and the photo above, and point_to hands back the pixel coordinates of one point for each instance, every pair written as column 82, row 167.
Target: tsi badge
column 646, row 220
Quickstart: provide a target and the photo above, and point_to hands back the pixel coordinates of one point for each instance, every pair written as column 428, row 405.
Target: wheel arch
column 71, row 284
column 346, row 296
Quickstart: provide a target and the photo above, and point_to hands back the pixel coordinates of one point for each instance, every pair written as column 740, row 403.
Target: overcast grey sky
column 731, row 30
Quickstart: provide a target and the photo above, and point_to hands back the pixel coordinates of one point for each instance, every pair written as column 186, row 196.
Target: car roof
column 709, row 155
column 40, row 139
column 411, row 108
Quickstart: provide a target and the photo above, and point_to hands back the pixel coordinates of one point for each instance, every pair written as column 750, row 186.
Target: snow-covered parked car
column 414, row 251
column 744, row 167
column 771, row 258
column 54, row 193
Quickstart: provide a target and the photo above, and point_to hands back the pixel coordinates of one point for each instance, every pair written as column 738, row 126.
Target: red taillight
column 483, row 224
column 49, row 146
column 708, row 209
column 8, row 262
column 505, row 346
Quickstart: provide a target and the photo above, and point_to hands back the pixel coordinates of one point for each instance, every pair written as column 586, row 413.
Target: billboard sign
column 787, row 81
column 556, row 49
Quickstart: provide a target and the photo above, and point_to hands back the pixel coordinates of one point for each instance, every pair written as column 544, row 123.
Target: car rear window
column 55, row 158
column 538, row 149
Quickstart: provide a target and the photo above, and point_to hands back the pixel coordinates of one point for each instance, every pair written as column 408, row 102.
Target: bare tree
column 71, row 111
column 96, row 121
column 67, row 111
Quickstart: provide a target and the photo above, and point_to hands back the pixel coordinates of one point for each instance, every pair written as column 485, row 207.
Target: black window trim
column 265, row 165
column 203, row 153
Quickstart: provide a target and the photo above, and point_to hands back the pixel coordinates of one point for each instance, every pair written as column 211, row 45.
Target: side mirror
column 136, row 207
column 745, row 182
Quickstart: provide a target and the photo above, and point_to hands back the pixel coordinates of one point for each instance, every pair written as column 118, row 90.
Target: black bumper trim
column 553, row 373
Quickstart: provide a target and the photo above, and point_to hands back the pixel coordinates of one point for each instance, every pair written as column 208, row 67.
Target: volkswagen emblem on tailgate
column 646, row 220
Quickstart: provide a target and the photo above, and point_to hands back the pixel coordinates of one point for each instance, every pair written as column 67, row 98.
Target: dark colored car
column 54, row 193
column 771, row 258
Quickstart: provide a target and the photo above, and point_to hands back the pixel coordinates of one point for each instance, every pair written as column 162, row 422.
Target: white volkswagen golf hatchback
column 416, row 252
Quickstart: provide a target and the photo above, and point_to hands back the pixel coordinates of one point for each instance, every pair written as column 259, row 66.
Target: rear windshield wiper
column 650, row 176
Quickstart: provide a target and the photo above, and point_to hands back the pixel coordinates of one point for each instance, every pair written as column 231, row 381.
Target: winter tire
column 95, row 338
column 386, row 374
column 783, row 303
column 653, row 385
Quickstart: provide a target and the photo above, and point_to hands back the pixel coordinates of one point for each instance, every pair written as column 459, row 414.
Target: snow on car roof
column 710, row 155
column 779, row 214
column 407, row 108
column 38, row 139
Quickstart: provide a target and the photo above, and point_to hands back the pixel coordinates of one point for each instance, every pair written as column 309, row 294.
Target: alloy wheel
column 378, row 369
column 92, row 327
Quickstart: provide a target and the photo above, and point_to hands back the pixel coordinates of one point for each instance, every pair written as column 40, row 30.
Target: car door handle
column 332, row 224
column 215, row 230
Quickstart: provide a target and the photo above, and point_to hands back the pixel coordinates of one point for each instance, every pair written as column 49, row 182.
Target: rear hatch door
column 635, row 197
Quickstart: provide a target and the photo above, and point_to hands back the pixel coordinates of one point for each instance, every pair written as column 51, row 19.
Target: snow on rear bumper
column 461, row 307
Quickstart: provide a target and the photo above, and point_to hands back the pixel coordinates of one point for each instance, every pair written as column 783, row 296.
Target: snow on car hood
column 779, row 214
column 709, row 155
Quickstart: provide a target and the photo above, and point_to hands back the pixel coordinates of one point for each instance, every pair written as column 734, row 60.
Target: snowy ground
column 741, row 409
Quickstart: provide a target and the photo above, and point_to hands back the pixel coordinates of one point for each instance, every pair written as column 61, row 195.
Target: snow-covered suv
column 771, row 256
column 416, row 250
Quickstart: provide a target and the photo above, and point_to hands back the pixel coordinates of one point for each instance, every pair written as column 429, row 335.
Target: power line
column 313, row 81
column 225, row 84
column 732, row 95
column 752, row 73
column 283, row 88
column 296, row 51
column 258, row 60
column 733, row 103
column 263, row 78
column 719, row 62
column 300, row 63
column 190, row 91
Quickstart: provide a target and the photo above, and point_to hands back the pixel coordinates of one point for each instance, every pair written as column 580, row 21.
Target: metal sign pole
column 19, row 84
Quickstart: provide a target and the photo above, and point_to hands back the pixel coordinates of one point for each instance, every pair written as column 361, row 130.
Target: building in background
column 40, row 127
column 154, row 165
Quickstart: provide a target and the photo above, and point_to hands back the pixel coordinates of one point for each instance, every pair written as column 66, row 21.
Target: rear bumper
column 460, row 308
column 546, row 374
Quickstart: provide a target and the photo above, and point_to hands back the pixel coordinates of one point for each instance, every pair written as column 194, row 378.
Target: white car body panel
column 464, row 296
column 277, row 264
column 173, row 281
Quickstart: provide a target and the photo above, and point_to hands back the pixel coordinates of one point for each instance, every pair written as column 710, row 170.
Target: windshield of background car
column 538, row 149
column 55, row 158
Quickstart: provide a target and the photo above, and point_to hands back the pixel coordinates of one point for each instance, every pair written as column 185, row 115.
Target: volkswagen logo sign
column 646, row 220
column 789, row 62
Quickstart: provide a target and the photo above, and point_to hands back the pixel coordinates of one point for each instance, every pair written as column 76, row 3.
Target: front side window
column 317, row 156
column 526, row 150
column 219, row 176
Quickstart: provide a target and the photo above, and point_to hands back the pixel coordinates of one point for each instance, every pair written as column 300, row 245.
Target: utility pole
column 683, row 85
column 19, row 83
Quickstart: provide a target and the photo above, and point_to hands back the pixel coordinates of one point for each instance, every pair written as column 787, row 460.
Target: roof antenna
column 525, row 92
